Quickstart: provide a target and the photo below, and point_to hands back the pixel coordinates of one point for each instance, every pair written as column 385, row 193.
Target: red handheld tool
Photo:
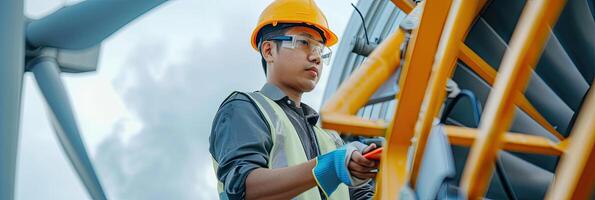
column 374, row 154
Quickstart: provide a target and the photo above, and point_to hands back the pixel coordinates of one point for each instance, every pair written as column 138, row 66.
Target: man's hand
column 361, row 167
column 344, row 165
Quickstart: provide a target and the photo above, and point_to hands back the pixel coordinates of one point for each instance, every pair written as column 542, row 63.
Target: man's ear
column 266, row 50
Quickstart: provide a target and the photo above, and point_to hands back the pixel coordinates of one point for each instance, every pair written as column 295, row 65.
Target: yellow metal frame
column 443, row 28
column 519, row 142
column 413, row 81
column 357, row 89
column 461, row 16
column 405, row 5
column 575, row 176
column 524, row 50
column 338, row 112
column 488, row 74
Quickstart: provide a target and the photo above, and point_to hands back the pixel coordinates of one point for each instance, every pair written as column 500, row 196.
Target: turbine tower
column 67, row 40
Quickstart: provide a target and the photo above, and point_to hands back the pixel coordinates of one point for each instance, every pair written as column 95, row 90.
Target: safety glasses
column 307, row 44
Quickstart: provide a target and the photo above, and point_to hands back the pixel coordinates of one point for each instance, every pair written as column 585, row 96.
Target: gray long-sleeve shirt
column 240, row 140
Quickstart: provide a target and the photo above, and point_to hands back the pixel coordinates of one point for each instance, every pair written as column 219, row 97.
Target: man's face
column 296, row 68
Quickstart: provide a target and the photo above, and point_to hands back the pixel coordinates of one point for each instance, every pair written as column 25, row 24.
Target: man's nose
column 314, row 57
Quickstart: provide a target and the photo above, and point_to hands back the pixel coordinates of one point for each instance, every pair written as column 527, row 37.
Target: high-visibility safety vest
column 287, row 147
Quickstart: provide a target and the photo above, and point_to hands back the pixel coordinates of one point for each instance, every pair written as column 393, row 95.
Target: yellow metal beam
column 352, row 124
column 488, row 74
column 575, row 175
column 460, row 17
column 476, row 63
column 413, row 81
column 355, row 91
column 405, row 5
column 524, row 50
column 518, row 142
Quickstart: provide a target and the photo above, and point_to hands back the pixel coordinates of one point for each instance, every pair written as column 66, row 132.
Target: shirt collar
column 274, row 93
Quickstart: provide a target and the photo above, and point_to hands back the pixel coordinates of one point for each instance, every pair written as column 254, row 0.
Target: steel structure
column 496, row 50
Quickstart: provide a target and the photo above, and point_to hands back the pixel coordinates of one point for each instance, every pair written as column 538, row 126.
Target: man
column 266, row 144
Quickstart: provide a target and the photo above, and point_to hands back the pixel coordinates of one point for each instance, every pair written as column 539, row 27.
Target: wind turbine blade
column 87, row 23
column 12, row 48
column 47, row 74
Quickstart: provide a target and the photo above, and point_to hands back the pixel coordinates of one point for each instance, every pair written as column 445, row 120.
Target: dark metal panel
column 559, row 72
column 576, row 31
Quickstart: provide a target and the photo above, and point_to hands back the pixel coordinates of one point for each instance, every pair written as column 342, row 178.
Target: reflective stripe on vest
column 287, row 147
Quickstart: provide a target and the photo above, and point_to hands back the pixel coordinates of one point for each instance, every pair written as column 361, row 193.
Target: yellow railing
column 441, row 31
column 358, row 88
column 526, row 45
column 575, row 174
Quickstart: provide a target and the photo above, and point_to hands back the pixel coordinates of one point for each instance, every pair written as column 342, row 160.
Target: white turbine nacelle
column 73, row 61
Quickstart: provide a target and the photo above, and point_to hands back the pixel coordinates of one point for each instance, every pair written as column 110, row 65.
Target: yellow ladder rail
column 461, row 16
column 575, row 175
column 393, row 171
column 525, row 48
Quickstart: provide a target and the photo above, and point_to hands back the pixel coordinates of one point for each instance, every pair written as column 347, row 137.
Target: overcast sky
column 146, row 114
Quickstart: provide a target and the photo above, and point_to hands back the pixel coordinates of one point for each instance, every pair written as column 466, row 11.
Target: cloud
column 175, row 101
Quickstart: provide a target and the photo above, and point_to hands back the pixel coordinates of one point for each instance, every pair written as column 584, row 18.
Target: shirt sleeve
column 365, row 191
column 240, row 142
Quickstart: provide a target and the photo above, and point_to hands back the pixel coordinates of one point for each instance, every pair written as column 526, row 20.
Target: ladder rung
column 344, row 123
column 518, row 142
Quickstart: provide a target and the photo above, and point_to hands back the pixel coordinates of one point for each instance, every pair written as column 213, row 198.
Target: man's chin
column 308, row 85
column 309, row 88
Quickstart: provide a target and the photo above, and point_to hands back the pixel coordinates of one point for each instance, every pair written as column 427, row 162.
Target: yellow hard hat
column 294, row 11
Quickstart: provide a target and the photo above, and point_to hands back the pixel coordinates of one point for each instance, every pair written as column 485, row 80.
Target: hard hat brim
column 331, row 38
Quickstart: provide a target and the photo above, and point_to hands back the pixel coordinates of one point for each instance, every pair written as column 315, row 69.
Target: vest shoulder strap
column 254, row 101
column 265, row 106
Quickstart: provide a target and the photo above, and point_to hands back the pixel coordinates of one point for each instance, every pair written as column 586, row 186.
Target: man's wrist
column 325, row 172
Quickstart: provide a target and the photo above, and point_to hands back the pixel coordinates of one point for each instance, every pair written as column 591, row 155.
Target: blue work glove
column 331, row 168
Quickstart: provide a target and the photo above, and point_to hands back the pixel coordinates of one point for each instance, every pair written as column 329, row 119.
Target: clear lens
column 308, row 45
column 326, row 55
column 314, row 46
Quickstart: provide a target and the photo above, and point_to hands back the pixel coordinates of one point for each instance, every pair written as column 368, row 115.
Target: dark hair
column 270, row 31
